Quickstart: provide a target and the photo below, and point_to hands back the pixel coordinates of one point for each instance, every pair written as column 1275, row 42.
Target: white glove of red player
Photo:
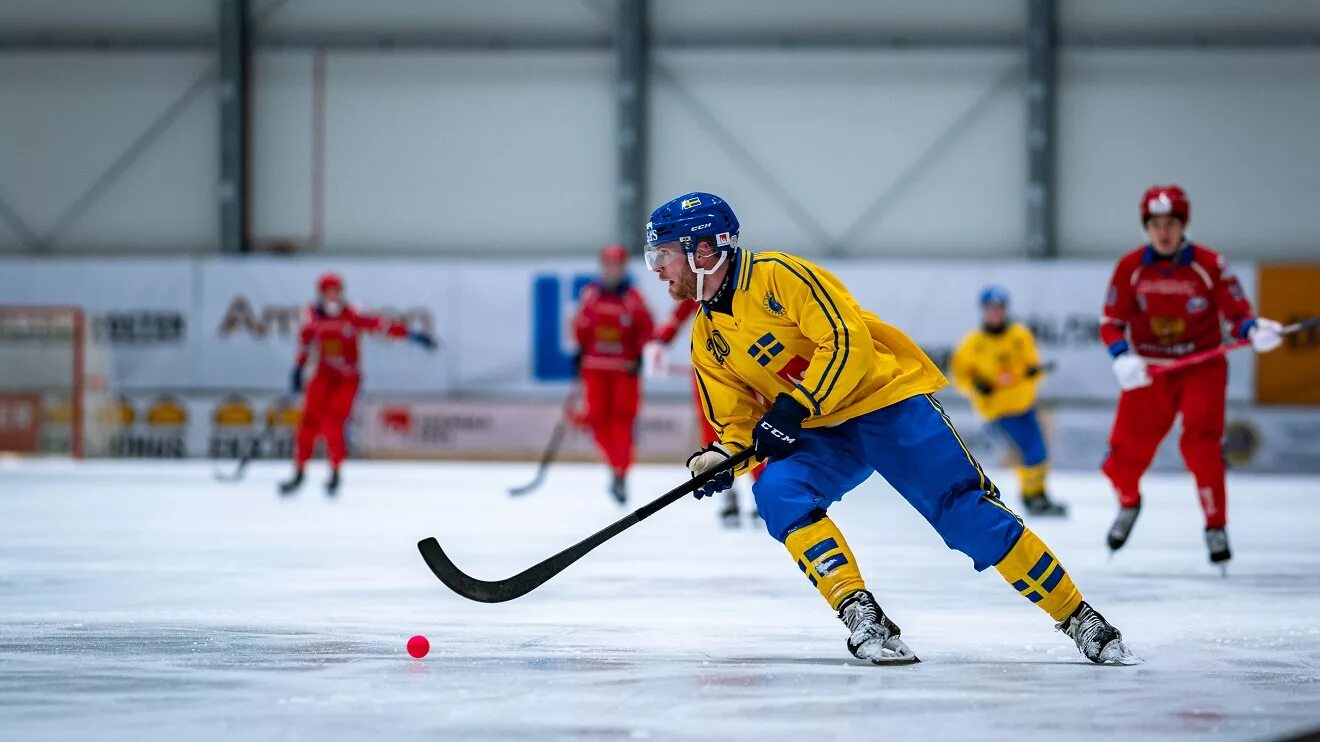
column 1130, row 370
column 655, row 359
column 1266, row 335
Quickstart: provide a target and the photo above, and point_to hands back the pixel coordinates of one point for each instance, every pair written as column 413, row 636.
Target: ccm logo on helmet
column 700, row 227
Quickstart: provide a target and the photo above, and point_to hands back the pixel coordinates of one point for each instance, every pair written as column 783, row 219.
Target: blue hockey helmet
column 688, row 220
column 994, row 295
column 690, row 217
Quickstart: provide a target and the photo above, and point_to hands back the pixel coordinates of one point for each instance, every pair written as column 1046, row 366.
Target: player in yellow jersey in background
column 997, row 367
column 850, row 395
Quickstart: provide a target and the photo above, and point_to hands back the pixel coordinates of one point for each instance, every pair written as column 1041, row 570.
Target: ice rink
column 148, row 601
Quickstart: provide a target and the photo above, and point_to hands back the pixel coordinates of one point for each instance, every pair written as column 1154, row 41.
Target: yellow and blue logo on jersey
column 765, row 349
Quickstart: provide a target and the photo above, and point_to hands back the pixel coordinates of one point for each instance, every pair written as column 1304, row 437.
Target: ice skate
column 729, row 515
column 1042, row 505
column 1216, row 541
column 1122, row 528
column 874, row 637
column 291, row 485
column 619, row 489
column 332, row 484
column 1096, row 639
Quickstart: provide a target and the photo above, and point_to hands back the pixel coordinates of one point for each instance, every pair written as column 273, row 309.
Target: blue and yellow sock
column 823, row 555
column 1032, row 479
column 1033, row 570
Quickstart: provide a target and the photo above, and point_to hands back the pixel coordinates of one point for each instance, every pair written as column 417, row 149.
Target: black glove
column 577, row 364
column 703, row 461
column 295, row 380
column 1033, row 372
column 635, row 368
column 982, row 387
column 777, row 433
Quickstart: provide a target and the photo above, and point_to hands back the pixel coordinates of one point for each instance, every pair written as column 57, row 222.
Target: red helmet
column 1161, row 200
column 328, row 281
column 614, row 254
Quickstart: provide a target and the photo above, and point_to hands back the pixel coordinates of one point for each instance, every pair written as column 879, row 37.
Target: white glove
column 706, row 459
column 1130, row 370
column 703, row 461
column 655, row 355
column 1266, row 335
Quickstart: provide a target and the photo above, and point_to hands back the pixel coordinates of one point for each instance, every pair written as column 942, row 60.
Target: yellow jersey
column 793, row 327
column 1001, row 360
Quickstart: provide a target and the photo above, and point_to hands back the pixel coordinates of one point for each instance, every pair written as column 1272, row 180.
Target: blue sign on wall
column 551, row 308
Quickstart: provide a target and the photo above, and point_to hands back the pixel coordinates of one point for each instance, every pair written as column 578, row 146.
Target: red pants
column 611, row 411
column 1144, row 418
column 327, row 406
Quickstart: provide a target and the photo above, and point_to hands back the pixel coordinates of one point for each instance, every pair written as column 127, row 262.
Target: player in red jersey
column 332, row 327
column 654, row 357
column 1167, row 299
column 611, row 325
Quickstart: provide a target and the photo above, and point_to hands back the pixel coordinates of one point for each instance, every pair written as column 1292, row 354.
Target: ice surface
column 147, row 601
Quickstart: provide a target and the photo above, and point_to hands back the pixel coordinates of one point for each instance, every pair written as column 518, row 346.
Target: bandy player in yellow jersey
column 997, row 367
column 850, row 396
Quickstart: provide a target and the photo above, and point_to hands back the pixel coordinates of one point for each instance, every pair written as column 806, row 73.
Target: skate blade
column 897, row 660
column 1117, row 653
column 894, row 652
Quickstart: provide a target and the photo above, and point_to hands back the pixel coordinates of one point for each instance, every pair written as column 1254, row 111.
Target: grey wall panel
column 558, row 18
column 685, row 19
column 1191, row 16
column 473, row 152
column 67, row 119
column 886, row 153
column 1237, row 130
column 10, row 239
column 139, row 16
column 282, row 147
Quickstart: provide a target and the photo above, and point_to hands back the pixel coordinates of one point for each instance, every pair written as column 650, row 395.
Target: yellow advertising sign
column 1290, row 292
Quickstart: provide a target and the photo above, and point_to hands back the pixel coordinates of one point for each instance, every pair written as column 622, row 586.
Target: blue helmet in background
column 691, row 217
column 994, row 295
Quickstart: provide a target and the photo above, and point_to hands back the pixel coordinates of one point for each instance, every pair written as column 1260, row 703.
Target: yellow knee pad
column 823, row 555
column 1032, row 479
column 1033, row 570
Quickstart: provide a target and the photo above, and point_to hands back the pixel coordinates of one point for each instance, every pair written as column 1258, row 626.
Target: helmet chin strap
column 703, row 272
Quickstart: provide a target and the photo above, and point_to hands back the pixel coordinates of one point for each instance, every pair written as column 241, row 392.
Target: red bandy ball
column 418, row 646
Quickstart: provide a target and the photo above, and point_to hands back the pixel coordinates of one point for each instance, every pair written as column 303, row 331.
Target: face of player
column 612, row 272
column 994, row 315
column 332, row 300
column 669, row 262
column 1165, row 233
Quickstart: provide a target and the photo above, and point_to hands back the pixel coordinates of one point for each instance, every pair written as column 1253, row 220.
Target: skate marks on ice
column 220, row 613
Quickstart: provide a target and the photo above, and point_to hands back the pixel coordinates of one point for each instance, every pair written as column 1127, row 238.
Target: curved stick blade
column 470, row 587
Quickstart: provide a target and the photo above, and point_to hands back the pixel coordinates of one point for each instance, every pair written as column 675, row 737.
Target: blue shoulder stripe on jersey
column 830, row 318
column 705, row 401
column 847, row 340
column 815, row 406
column 746, row 281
